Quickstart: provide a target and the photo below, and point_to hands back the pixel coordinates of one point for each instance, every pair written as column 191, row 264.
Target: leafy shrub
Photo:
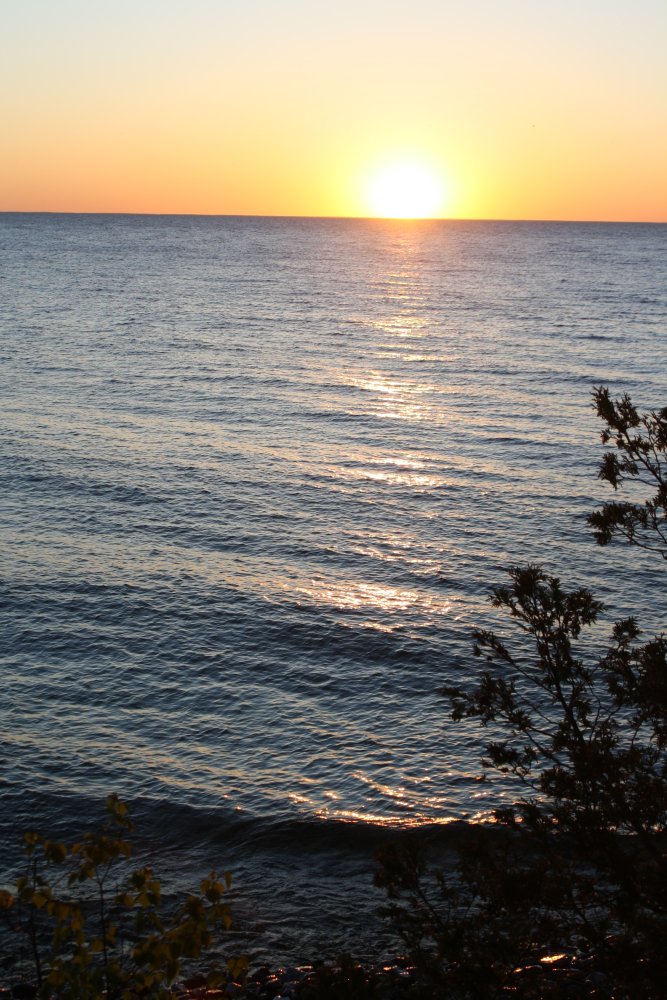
column 95, row 927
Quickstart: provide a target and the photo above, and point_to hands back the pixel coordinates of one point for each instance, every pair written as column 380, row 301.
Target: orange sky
column 549, row 110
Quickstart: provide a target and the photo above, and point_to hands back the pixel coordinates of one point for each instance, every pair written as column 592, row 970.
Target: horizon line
column 335, row 218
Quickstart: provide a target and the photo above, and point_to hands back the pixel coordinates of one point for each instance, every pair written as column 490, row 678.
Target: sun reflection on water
column 363, row 595
column 404, row 399
column 404, row 822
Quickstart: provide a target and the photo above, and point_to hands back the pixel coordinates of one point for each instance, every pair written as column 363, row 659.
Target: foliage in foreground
column 93, row 926
column 574, row 877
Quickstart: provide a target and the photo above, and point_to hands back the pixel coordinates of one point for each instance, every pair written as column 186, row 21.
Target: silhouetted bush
column 569, row 895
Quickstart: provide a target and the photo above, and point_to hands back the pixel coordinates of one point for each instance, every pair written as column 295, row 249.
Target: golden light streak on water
column 357, row 595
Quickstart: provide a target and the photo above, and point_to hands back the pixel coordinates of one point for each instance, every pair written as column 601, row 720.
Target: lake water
column 258, row 477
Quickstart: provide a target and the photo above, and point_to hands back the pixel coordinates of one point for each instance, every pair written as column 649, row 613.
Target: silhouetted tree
column 641, row 442
column 569, row 895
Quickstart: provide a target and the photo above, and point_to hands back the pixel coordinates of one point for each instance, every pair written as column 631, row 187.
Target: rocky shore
column 344, row 979
column 556, row 977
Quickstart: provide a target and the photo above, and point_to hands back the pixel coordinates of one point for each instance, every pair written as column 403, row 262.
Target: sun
column 406, row 190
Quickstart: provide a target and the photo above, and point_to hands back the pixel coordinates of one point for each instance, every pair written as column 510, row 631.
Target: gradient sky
column 536, row 109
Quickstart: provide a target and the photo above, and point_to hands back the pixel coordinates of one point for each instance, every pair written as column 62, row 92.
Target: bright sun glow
column 406, row 191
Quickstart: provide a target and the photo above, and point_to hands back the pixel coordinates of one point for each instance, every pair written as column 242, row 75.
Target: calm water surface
column 258, row 476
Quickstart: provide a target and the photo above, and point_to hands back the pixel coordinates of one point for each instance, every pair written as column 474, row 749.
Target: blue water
column 258, row 477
